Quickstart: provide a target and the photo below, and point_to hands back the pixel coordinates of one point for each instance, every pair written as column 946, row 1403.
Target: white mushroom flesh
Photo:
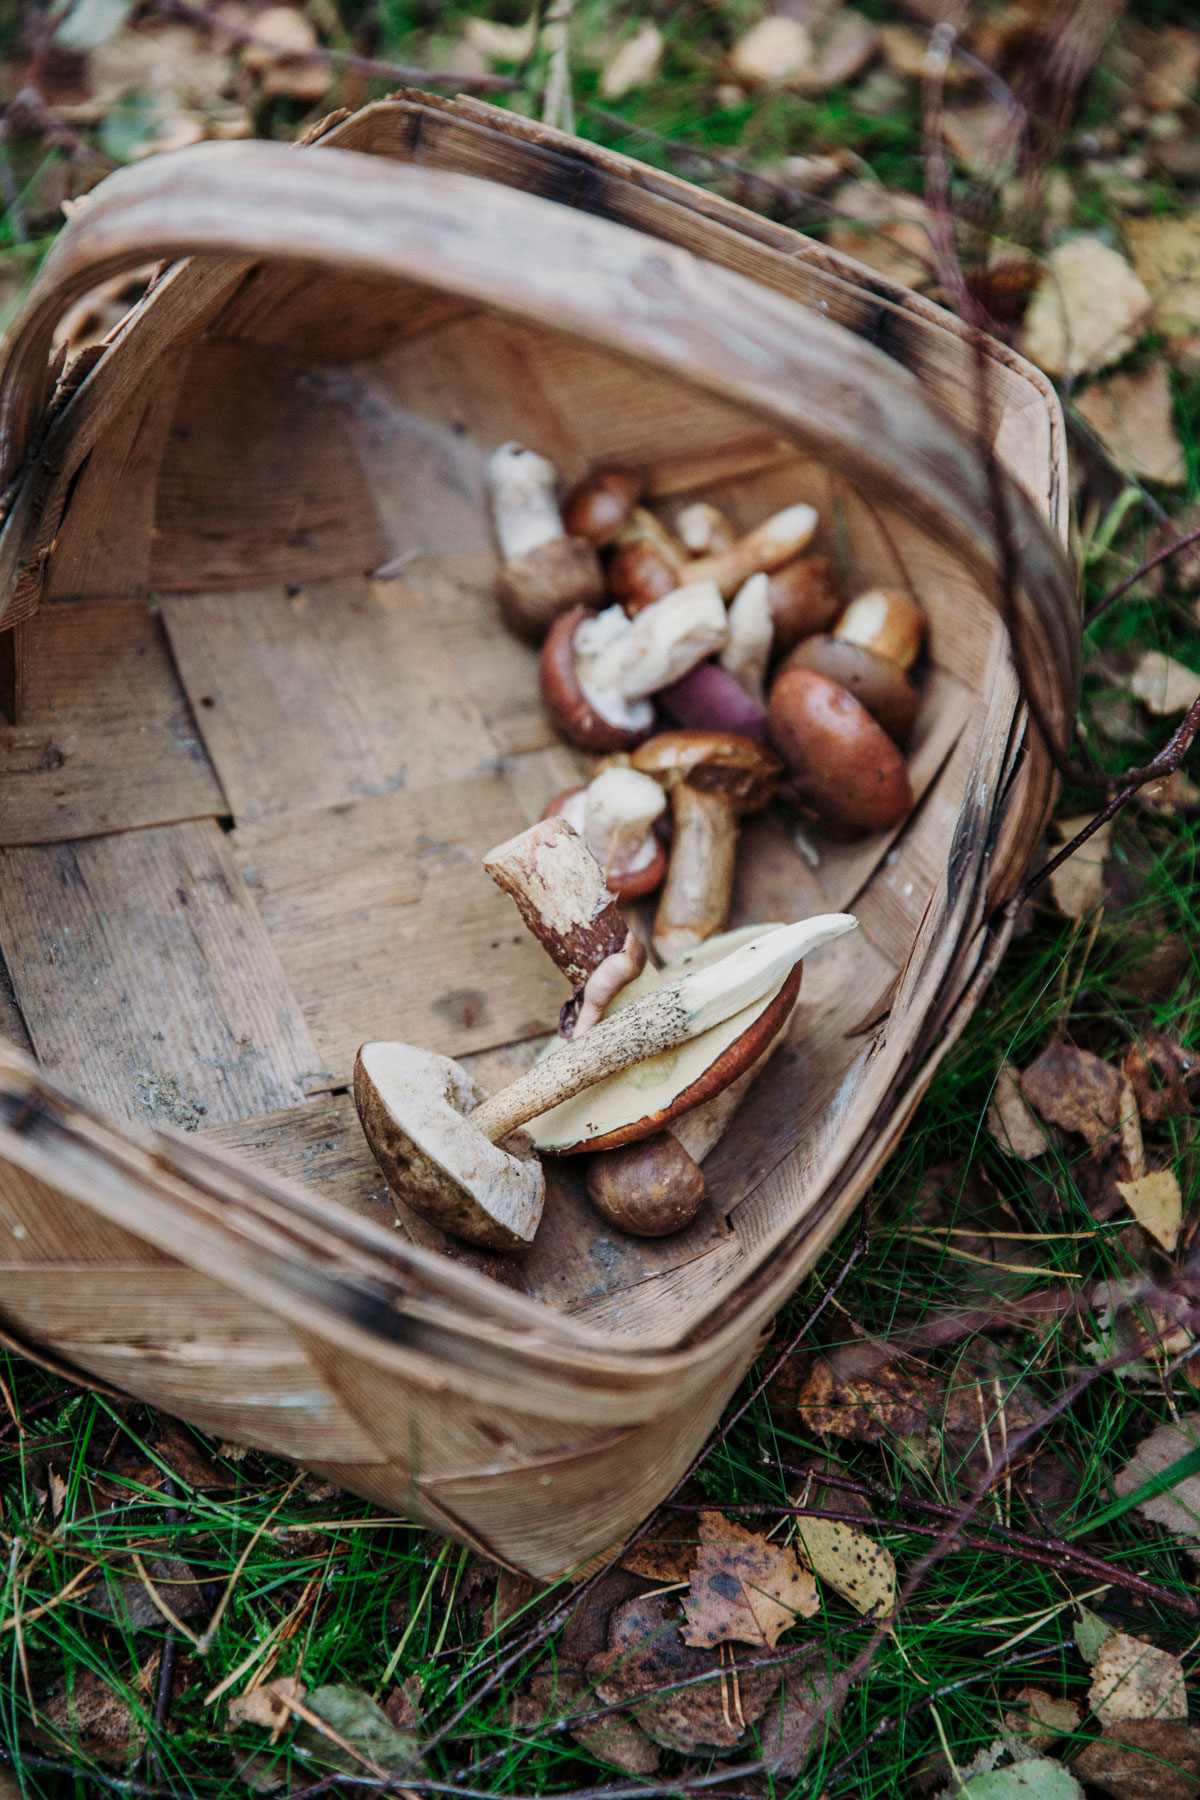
column 596, row 642
column 620, row 660
column 521, row 485
column 618, row 808
column 751, row 634
column 703, row 529
column 863, row 620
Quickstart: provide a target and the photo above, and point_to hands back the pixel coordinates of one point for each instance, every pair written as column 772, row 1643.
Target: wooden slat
column 12, row 1025
column 13, row 662
column 388, row 926
column 258, row 478
column 107, row 740
column 331, row 317
column 312, row 698
column 147, row 979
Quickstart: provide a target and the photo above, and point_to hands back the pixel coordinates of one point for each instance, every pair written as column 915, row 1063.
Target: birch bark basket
column 264, row 724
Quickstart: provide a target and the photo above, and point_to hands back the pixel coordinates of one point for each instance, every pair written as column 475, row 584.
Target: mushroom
column 710, row 698
column 711, row 777
column 886, row 622
column 806, row 596
column 646, row 564
column 599, row 669
column 844, row 768
column 600, row 507
column 544, row 572
column 751, row 634
column 614, row 815
column 704, row 530
column 883, row 688
column 650, row 1188
column 775, row 542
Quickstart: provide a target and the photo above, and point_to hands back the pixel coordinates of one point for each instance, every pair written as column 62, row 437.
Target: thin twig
column 1152, row 562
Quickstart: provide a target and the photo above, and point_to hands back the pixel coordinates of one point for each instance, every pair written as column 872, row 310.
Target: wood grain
column 146, row 977
column 107, row 741
column 319, row 696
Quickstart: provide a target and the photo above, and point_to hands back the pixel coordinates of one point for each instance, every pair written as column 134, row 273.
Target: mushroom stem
column 776, row 541
column 559, row 890
column 672, row 1015
column 695, row 899
column 524, row 504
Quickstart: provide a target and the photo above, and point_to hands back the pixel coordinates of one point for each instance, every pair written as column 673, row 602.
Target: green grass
column 346, row 1596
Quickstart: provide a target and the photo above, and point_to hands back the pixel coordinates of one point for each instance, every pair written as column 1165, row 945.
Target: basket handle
column 845, row 401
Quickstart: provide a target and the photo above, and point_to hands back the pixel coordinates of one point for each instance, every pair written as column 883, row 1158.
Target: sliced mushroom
column 886, row 622
column 544, row 571
column 751, row 635
column 844, row 768
column 599, row 669
column 882, row 687
column 775, row 542
column 601, row 506
column 712, row 778
column 614, row 815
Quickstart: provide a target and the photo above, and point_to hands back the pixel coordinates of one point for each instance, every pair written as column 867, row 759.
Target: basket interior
column 272, row 723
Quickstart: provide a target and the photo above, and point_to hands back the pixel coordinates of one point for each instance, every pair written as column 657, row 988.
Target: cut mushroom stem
column 544, row 571
column 646, row 563
column 776, row 541
column 671, row 1015
column 615, row 817
column 751, row 634
column 525, row 511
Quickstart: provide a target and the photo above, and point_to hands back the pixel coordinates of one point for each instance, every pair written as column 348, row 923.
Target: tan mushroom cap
column 739, row 768
column 625, row 1108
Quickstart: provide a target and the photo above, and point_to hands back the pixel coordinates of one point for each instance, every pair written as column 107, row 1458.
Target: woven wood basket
column 267, row 724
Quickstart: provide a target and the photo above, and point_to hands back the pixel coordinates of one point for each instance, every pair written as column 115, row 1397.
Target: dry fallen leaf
column 842, row 48
column 1163, row 685
column 1079, row 1091
column 1088, row 311
column 744, row 1589
column 866, row 1403
column 1133, row 416
column 1166, row 257
column 634, row 64
column 667, row 1553
column 888, row 232
column 807, row 1715
column 983, row 136
column 1010, row 1120
column 1156, row 1069
column 616, row 1739
column 646, row 1661
column 1143, row 1759
column 905, row 49
column 1178, row 1507
column 94, row 1717
column 1078, row 885
column 502, row 43
column 1134, row 1680
column 1039, row 1779
column 1157, row 1204
column 1039, row 1719
column 772, row 53
column 363, row 1725
column 266, row 1706
column 853, row 1564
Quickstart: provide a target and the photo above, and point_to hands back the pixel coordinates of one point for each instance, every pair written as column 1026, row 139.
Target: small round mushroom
column 886, row 622
column 712, row 778
column 602, row 504
column 650, row 1188
column 704, row 530
column 646, row 562
column 544, row 572
column 775, row 542
column 599, row 669
column 614, row 815
column 806, row 596
column 844, row 768
column 880, row 686
column 709, row 698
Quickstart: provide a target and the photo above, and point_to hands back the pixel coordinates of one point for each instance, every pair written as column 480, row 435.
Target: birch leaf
column 856, row 1567
column 744, row 1588
column 1157, row 1204
column 1163, row 685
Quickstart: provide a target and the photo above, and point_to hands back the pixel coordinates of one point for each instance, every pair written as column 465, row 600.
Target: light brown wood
column 360, row 326
column 107, row 741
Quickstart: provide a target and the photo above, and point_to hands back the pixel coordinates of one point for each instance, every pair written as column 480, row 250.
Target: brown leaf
column 1178, row 1508
column 845, row 1396
column 1078, row 885
column 266, row 1706
column 401, row 1704
column 1039, row 1719
column 635, row 63
column 772, row 53
column 744, row 1588
column 1157, row 1204
column 281, row 61
column 647, row 1654
column 1132, row 413
column 195, row 1469
column 131, row 1603
column 1009, row 1119
column 1079, row 1091
column 667, row 1553
column 1143, row 1759
column 617, row 1739
column 585, row 1633
column 1156, row 1069
column 806, row 1716
column 887, row 231
column 1164, row 687
column 1166, row 256
column 1088, row 311
column 1134, row 1680
column 95, row 1718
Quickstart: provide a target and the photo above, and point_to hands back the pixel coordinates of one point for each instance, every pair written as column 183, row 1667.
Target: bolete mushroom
column 844, row 768
column 614, row 815
column 650, row 1188
column 709, row 698
column 885, row 622
column 704, row 530
column 544, row 571
column 601, row 505
column 775, row 542
column 806, row 596
column 881, row 686
column 598, row 670
column 646, row 563
column 712, row 777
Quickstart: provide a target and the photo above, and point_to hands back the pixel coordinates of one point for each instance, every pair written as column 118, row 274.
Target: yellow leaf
column 861, row 1570
column 1089, row 309
column 1078, row 887
column 1157, row 1204
column 1133, row 1680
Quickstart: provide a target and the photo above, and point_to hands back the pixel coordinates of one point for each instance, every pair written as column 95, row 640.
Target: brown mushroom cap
column 886, row 621
column 649, row 1188
column 716, row 762
column 623, row 883
column 534, row 589
column 845, row 769
column 806, row 596
column 885, row 690
column 565, row 699
column 638, row 575
column 667, row 1086
column 601, row 505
